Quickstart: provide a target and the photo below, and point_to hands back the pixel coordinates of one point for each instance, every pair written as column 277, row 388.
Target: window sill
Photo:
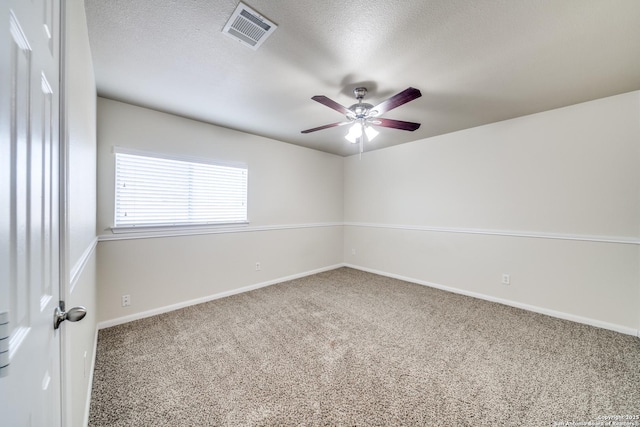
column 172, row 230
column 241, row 227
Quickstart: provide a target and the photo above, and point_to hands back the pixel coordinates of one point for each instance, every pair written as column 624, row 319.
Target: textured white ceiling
column 476, row 62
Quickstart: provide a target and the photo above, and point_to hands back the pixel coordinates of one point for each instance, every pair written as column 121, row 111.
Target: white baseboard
column 553, row 313
column 172, row 307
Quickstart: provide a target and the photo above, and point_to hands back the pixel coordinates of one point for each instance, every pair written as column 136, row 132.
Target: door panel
column 29, row 210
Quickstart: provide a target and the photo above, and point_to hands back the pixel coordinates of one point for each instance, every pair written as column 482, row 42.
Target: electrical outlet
column 258, row 267
column 126, row 300
column 353, row 251
column 506, row 279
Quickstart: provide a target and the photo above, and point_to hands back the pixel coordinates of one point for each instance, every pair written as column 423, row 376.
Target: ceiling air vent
column 248, row 27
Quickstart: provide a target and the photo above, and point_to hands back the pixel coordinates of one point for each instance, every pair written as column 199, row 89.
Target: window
column 164, row 191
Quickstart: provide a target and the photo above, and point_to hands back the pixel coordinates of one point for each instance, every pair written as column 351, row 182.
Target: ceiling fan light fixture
column 355, row 132
column 370, row 132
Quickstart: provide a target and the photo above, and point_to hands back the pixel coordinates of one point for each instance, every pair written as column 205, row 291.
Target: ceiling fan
column 363, row 115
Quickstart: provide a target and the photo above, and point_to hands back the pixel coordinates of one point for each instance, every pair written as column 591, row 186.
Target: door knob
column 73, row 315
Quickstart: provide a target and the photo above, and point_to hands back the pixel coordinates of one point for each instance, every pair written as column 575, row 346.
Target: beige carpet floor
column 349, row 348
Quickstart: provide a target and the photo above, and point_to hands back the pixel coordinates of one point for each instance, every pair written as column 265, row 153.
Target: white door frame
column 65, row 268
column 65, row 392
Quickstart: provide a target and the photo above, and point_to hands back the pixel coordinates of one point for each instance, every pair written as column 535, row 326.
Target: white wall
column 80, row 140
column 553, row 199
column 295, row 211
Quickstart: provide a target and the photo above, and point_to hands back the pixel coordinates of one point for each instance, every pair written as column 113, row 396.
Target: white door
column 29, row 211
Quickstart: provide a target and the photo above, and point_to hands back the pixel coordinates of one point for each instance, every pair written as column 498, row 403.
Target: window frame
column 177, row 227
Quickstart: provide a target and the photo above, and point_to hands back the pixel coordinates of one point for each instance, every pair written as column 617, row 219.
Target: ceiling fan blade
column 397, row 100
column 395, row 124
column 325, row 127
column 331, row 104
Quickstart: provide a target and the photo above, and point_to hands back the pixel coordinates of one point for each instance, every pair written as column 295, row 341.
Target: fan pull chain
column 362, row 138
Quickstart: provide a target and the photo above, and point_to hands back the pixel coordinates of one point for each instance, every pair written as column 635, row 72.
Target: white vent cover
column 248, row 27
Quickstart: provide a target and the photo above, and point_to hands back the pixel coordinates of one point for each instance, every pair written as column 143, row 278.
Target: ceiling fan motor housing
column 361, row 110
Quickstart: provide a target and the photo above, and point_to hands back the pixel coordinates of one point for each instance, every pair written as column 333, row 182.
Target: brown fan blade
column 325, row 127
column 331, row 104
column 397, row 100
column 395, row 124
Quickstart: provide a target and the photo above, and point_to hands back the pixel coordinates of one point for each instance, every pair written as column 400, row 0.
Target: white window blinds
column 156, row 191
